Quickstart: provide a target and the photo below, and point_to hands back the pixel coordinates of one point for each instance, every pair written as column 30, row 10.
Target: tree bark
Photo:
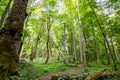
column 35, row 47
column 48, row 39
column 64, row 40
column 81, row 40
column 72, row 35
column 106, row 51
column 24, row 35
column 10, row 39
column 113, row 49
column 95, row 46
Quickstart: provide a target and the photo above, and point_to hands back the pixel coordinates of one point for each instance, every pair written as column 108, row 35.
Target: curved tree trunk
column 10, row 39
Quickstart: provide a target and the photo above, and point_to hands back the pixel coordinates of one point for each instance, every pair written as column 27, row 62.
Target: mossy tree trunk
column 10, row 39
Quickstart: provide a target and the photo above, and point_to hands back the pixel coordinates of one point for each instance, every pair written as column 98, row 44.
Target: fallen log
column 99, row 75
column 109, row 74
column 95, row 75
column 89, row 76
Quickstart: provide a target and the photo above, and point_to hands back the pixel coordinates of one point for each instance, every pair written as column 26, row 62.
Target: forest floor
column 73, row 71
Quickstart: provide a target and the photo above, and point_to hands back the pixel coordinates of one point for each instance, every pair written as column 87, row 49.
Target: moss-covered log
column 99, row 75
column 10, row 38
column 109, row 75
column 95, row 75
column 88, row 76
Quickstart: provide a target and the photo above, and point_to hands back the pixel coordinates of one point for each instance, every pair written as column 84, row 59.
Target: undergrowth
column 32, row 70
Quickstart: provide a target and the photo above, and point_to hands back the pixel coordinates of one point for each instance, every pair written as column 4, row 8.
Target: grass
column 32, row 70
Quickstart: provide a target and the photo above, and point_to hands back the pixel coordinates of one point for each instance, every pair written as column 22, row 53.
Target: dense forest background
column 73, row 32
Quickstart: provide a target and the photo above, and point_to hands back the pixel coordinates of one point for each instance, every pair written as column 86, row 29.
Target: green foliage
column 95, row 64
column 32, row 70
column 25, row 70
column 3, row 4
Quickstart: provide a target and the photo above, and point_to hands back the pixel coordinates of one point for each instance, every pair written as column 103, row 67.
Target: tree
column 10, row 39
column 48, row 39
column 81, row 40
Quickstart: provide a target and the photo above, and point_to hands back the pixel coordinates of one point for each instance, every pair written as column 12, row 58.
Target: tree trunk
column 24, row 35
column 48, row 39
column 34, row 48
column 32, row 53
column 113, row 49
column 5, row 13
column 95, row 45
column 60, row 53
column 10, row 39
column 81, row 40
column 106, row 51
column 72, row 35
column 84, row 55
column 64, row 40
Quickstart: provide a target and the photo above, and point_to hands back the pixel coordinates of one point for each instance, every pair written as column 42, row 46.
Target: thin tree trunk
column 58, row 58
column 106, row 51
column 5, row 13
column 34, row 48
column 86, row 47
column 82, row 37
column 81, row 41
column 113, row 49
column 10, row 38
column 95, row 46
column 73, row 46
column 118, row 48
column 64, row 40
column 61, row 53
column 48, row 51
column 48, row 40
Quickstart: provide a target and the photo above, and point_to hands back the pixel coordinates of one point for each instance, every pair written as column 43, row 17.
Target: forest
column 59, row 39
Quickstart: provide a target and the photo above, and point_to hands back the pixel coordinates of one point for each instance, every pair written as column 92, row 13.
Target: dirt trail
column 73, row 71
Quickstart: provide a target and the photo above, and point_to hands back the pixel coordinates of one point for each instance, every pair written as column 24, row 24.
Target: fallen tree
column 109, row 74
column 95, row 75
column 98, row 75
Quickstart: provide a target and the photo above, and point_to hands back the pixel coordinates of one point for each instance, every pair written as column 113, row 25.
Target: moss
column 8, row 56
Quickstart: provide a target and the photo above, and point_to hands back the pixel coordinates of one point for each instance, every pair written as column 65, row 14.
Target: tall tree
column 10, row 39
column 81, row 41
column 48, row 38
